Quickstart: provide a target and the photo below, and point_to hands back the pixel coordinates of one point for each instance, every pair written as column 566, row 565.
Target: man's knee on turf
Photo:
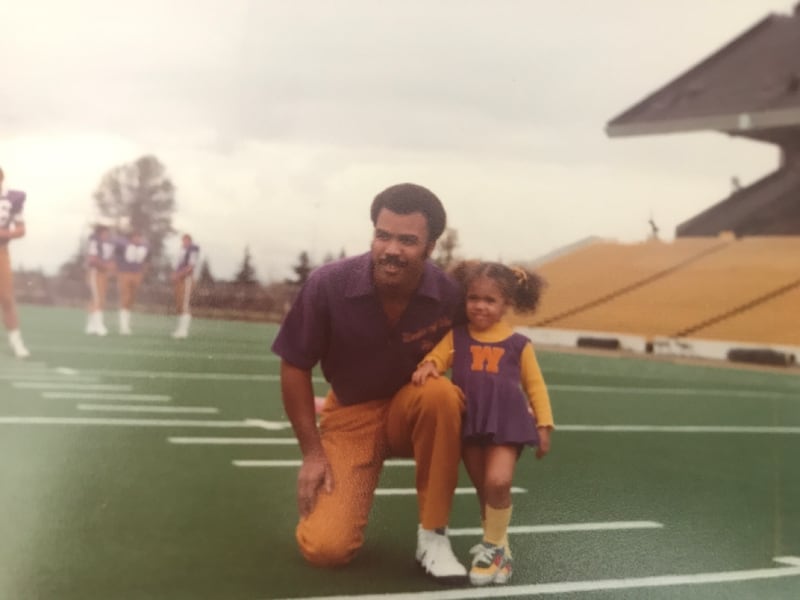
column 326, row 551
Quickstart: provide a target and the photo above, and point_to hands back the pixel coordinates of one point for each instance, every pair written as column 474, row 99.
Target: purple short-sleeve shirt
column 338, row 321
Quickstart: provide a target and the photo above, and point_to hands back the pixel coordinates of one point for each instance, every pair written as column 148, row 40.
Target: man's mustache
column 393, row 261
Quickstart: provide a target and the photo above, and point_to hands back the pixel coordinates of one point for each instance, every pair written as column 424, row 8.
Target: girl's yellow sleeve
column 442, row 353
column 535, row 388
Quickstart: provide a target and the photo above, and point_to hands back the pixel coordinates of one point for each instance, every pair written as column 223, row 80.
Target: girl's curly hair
column 520, row 287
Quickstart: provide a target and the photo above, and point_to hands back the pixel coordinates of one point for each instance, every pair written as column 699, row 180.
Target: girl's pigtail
column 528, row 289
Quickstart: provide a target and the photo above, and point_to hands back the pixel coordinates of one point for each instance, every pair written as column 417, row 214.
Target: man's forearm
column 298, row 401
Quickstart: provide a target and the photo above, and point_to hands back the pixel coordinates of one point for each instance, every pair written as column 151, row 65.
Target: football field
column 143, row 467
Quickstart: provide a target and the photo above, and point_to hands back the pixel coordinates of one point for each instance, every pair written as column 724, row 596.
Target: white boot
column 182, row 331
column 124, row 322
column 15, row 340
column 91, row 324
column 435, row 555
column 95, row 325
column 100, row 327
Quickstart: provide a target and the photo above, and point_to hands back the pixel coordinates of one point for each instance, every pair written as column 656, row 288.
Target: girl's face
column 486, row 304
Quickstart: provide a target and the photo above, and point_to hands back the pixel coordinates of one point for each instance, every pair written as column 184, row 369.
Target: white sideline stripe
column 163, row 353
column 231, row 441
column 66, row 371
column 792, row 569
column 54, row 385
column 191, row 375
column 89, row 421
column 28, row 364
column 565, row 527
column 601, row 389
column 269, row 425
column 298, row 462
column 679, row 429
column 563, row 387
column 465, row 491
column 199, row 410
column 221, row 441
column 48, row 376
column 35, row 372
column 106, row 396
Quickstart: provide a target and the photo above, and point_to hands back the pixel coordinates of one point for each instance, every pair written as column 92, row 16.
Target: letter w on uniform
column 486, row 358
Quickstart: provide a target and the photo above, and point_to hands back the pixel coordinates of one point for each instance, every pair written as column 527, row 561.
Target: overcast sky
column 279, row 121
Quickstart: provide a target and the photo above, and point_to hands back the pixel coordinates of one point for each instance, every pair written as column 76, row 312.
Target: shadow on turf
column 376, row 569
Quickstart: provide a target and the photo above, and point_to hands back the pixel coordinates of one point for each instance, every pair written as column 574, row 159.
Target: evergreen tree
column 246, row 273
column 445, row 248
column 205, row 277
column 74, row 268
column 302, row 269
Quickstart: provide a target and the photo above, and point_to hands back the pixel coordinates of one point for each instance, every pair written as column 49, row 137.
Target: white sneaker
column 95, row 325
column 17, row 346
column 435, row 555
column 125, row 322
column 182, row 330
column 91, row 325
column 20, row 351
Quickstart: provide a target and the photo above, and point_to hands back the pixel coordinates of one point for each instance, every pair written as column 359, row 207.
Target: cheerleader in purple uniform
column 507, row 404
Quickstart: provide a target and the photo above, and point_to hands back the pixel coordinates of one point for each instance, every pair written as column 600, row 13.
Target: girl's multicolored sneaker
column 505, row 571
column 489, row 565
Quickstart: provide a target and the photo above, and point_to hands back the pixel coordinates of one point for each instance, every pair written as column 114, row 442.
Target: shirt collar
column 499, row 331
column 360, row 280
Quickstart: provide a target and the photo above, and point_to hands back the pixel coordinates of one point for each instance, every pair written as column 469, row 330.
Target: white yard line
column 232, row 441
column 106, row 396
column 55, row 385
column 258, row 424
column 48, row 376
column 198, row 410
column 671, row 391
column 196, row 375
column 591, row 389
column 66, row 371
column 23, row 366
column 462, row 491
column 791, row 568
column 564, row 527
column 91, row 421
column 238, row 441
column 270, row 425
column 297, row 462
column 163, row 353
column 679, row 429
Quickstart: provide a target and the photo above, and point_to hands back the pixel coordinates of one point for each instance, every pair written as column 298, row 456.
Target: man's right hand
column 315, row 475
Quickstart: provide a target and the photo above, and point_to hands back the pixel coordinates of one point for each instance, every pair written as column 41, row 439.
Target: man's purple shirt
column 338, row 321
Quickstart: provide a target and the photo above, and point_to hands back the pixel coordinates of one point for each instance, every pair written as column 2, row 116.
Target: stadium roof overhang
column 743, row 123
column 750, row 87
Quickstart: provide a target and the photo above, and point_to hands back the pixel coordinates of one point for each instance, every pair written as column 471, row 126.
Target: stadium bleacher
column 740, row 290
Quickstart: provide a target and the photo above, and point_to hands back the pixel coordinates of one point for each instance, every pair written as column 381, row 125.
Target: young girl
column 493, row 365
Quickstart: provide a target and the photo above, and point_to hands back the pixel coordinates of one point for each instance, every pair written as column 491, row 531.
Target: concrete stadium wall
column 663, row 346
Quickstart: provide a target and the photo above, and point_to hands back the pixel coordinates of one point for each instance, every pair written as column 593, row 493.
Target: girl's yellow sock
column 495, row 530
